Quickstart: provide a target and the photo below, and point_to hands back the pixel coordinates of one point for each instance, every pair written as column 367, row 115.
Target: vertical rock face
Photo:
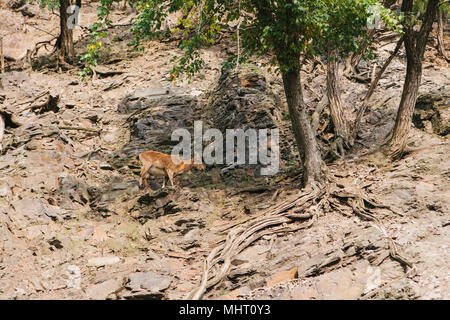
column 432, row 112
column 244, row 100
column 154, row 114
column 241, row 99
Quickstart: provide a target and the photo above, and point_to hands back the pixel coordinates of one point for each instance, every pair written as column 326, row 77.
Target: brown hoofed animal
column 161, row 165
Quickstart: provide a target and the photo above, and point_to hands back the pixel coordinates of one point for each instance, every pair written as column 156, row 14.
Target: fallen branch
column 30, row 102
column 387, row 36
column 66, row 139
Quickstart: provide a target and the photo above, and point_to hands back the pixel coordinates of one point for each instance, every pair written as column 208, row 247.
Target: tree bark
column 340, row 122
column 405, row 112
column 440, row 36
column 301, row 126
column 66, row 53
column 2, row 130
column 415, row 44
column 2, row 57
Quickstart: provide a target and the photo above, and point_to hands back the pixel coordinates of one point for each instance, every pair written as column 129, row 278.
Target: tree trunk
column 2, row 130
column 301, row 126
column 440, row 36
column 371, row 90
column 415, row 44
column 340, row 122
column 2, row 57
column 405, row 112
column 66, row 53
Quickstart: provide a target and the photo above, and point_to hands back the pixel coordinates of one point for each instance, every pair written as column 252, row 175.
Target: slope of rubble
column 75, row 225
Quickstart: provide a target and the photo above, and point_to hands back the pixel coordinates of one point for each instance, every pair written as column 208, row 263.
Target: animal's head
column 197, row 163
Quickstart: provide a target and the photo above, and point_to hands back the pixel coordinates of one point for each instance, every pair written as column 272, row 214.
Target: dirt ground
column 75, row 225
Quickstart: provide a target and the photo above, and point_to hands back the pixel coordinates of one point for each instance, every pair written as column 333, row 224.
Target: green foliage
column 98, row 31
column 50, row 4
column 417, row 13
column 444, row 7
column 281, row 29
column 346, row 25
column 93, row 53
column 200, row 26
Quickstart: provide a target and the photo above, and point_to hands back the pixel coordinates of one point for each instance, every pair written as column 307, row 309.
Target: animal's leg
column 164, row 181
column 141, row 179
column 143, row 174
column 170, row 175
column 147, row 184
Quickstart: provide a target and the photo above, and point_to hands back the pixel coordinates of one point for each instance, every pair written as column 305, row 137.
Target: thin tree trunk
column 66, row 53
column 2, row 130
column 415, row 44
column 373, row 85
column 303, row 132
column 405, row 112
column 340, row 122
column 440, row 36
column 2, row 57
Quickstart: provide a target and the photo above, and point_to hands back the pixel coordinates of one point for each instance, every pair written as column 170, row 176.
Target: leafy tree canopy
column 282, row 29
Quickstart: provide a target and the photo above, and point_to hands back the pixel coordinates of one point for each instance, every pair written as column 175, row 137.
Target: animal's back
column 157, row 158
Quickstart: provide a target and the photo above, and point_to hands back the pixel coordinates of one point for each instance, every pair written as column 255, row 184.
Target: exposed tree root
column 273, row 220
column 304, row 207
column 358, row 204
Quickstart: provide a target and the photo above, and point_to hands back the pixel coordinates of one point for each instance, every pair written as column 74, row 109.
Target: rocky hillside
column 75, row 225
